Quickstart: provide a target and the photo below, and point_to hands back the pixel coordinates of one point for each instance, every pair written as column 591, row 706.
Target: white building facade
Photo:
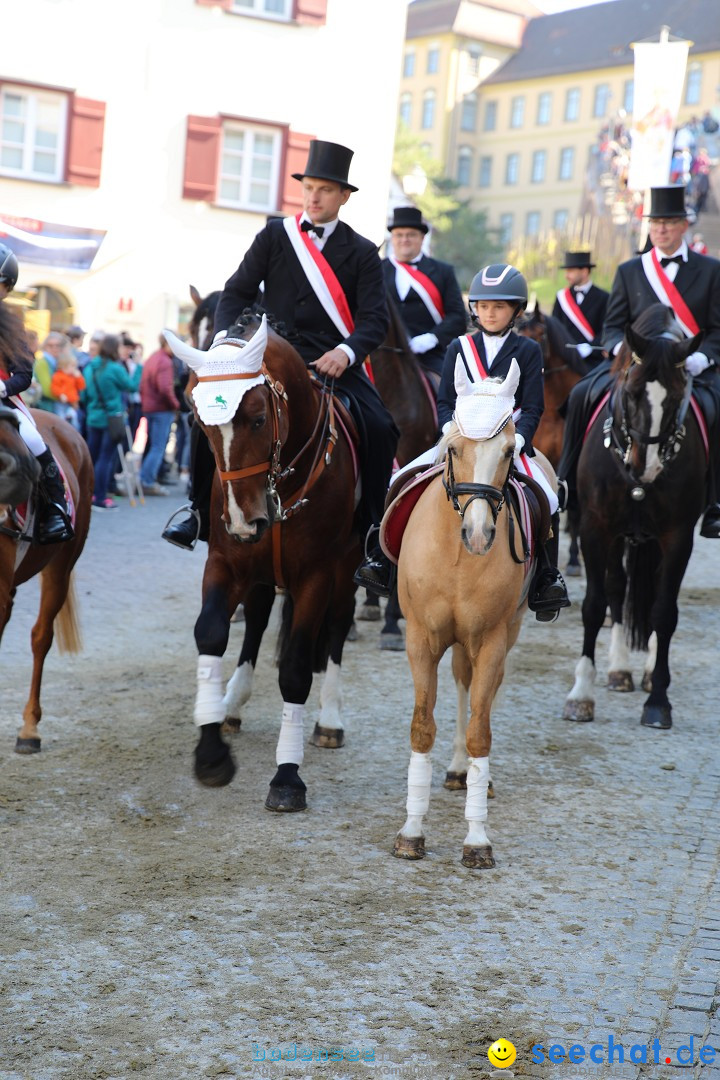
column 143, row 147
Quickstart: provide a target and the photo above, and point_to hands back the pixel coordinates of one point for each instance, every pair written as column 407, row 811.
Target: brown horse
column 282, row 515
column 463, row 585
column 21, row 560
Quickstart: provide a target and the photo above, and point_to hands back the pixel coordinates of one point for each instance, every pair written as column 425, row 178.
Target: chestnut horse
column 641, row 488
column 282, row 515
column 20, row 559
column 463, row 584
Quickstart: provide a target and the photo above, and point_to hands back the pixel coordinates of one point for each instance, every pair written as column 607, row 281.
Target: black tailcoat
column 593, row 310
column 416, row 317
column 529, row 395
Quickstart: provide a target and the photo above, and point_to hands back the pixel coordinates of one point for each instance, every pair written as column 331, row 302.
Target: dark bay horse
column 282, row 515
column 20, row 559
column 641, row 488
column 202, row 323
column 564, row 367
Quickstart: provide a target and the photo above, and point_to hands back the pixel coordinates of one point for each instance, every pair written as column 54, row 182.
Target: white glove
column 3, row 390
column 219, row 336
column 423, row 343
column 519, row 443
column 696, row 363
column 584, row 349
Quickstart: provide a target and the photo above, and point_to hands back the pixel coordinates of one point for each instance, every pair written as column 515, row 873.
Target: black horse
column 641, row 489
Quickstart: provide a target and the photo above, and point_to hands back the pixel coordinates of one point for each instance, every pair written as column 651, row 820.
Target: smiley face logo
column 502, row 1054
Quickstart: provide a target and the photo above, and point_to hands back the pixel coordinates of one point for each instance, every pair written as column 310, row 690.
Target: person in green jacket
column 106, row 379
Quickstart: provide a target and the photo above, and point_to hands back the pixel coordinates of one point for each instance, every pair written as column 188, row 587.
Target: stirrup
column 41, row 521
column 188, row 508
column 372, row 540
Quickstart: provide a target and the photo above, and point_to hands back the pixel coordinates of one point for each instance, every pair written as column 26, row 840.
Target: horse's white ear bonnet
column 218, row 400
column 483, row 408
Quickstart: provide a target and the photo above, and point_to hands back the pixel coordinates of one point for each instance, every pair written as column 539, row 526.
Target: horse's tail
column 321, row 645
column 67, row 626
column 642, row 563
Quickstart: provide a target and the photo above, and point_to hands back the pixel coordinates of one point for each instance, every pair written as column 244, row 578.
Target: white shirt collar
column 493, row 345
column 682, row 250
column 328, row 228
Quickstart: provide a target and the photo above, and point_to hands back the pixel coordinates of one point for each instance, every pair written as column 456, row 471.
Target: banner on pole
column 659, row 77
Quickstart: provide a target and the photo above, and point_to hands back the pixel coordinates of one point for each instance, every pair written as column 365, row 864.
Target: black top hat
column 407, row 217
column 577, row 260
column 328, row 161
column 667, row 202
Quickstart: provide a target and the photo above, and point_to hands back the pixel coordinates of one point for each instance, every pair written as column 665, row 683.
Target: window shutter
column 215, row 3
column 202, row 157
column 296, row 154
column 85, row 141
column 310, row 12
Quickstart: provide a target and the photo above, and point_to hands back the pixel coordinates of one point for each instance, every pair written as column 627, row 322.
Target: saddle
column 538, row 505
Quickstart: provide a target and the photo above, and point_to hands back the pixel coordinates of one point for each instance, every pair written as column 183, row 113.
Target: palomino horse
column 282, row 514
column 21, row 560
column 641, row 487
column 564, row 367
column 463, row 584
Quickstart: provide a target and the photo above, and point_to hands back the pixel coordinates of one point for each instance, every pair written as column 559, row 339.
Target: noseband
column 495, row 497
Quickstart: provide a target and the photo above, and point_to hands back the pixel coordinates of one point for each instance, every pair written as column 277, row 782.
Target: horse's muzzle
column 261, row 527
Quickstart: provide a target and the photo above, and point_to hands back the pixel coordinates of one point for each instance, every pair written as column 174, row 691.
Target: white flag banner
column 659, row 77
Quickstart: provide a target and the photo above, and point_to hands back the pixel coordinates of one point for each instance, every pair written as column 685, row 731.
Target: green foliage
column 435, row 204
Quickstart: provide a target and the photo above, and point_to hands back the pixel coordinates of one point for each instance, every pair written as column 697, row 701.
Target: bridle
column 544, row 343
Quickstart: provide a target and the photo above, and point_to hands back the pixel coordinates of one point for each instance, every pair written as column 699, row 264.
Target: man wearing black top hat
column 332, row 302
column 581, row 306
column 424, row 290
column 670, row 273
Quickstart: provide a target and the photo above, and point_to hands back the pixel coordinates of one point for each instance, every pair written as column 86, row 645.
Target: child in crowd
column 66, row 384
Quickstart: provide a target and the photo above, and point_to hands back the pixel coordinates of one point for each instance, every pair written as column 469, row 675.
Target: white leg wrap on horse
column 651, row 658
column 238, row 690
column 618, row 654
column 478, row 777
column 209, row 707
column 331, row 698
column 584, row 686
column 290, row 747
column 419, row 780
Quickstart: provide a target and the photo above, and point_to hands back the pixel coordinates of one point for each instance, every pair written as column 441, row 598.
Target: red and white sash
column 426, row 289
column 321, row 276
column 667, row 294
column 572, row 309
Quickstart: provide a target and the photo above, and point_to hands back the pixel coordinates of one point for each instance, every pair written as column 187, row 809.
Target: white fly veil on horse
column 226, row 372
column 482, row 409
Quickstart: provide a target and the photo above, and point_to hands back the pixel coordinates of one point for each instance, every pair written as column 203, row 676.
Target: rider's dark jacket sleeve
column 20, row 374
column 529, row 395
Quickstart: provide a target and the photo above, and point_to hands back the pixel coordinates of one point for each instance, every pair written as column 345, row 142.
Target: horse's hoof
column 573, row 570
column 27, row 746
column 368, row 613
column 646, row 683
column 231, row 725
column 477, row 858
column 286, row 800
column 657, row 716
column 238, row 615
column 455, row 781
column 352, row 634
column 621, row 682
column 580, row 711
column 392, row 643
column 327, row 738
column 409, row 847
column 216, row 773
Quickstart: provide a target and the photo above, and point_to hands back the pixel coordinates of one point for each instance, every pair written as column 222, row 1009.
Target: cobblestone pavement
column 153, row 927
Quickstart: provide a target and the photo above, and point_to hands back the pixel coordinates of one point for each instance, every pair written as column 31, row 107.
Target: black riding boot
column 710, row 527
column 53, row 521
column 548, row 592
column 376, row 571
column 196, row 526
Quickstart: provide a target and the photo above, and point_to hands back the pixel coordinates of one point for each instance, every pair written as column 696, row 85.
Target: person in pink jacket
column 159, row 406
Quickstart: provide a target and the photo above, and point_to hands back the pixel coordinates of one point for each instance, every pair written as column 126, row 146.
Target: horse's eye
column 258, row 422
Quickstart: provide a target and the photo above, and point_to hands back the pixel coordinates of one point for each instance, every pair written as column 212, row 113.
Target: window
column 406, row 109
column 485, row 177
column 567, row 162
column 512, row 168
column 433, row 60
column 572, row 105
column 629, row 95
column 532, row 223
column 693, row 87
column 249, row 166
column 468, row 114
column 560, row 219
column 32, row 133
column 539, row 162
column 490, row 116
column 601, row 100
column 408, row 64
column 473, row 60
column 517, row 112
column 464, row 166
column 271, row 9
column 506, row 229
column 544, row 107
column 428, row 109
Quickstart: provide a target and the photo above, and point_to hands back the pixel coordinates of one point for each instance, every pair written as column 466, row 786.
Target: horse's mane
column 661, row 330
column 13, row 343
column 253, row 317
